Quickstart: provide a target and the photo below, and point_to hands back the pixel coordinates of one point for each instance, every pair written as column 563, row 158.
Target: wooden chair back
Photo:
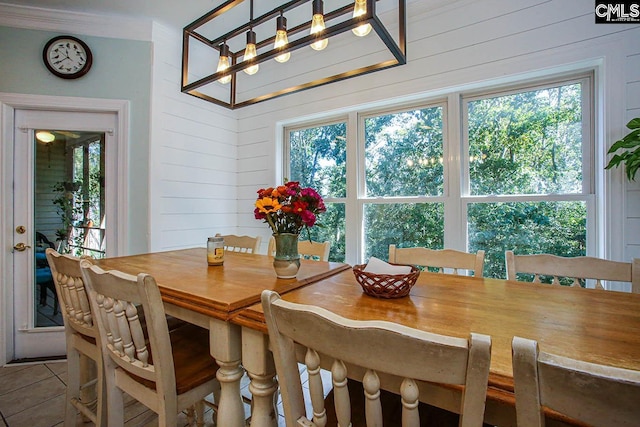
column 308, row 249
column 81, row 335
column 579, row 269
column 140, row 357
column 72, row 295
column 444, row 260
column 598, row 395
column 247, row 244
column 380, row 354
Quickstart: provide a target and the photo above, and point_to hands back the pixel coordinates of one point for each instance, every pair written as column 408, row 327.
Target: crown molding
column 110, row 26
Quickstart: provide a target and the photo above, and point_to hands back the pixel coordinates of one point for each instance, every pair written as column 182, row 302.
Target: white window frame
column 456, row 181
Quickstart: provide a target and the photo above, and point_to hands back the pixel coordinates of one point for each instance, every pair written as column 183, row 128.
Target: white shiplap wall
column 632, row 90
column 463, row 45
column 193, row 157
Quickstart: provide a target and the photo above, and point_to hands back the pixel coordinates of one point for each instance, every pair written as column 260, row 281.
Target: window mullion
column 355, row 189
column 454, row 223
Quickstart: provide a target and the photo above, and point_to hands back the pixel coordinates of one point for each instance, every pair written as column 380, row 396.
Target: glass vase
column 286, row 261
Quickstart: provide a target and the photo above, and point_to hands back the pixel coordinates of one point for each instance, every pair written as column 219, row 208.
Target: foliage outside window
column 523, row 178
column 80, row 203
column 527, row 146
column 318, row 160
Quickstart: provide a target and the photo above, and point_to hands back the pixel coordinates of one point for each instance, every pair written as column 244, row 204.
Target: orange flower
column 268, row 205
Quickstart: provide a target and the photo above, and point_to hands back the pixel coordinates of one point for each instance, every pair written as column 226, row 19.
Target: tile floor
column 32, row 395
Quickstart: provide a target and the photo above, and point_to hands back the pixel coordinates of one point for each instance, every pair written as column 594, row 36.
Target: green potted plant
column 630, row 154
column 68, row 211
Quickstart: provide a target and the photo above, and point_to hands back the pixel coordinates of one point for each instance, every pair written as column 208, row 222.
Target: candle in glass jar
column 215, row 251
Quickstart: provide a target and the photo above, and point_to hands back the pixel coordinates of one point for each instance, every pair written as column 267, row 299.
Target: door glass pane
column 68, row 207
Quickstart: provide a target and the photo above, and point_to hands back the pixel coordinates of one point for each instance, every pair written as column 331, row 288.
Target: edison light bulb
column 317, row 25
column 250, row 52
column 359, row 9
column 223, row 63
column 281, row 38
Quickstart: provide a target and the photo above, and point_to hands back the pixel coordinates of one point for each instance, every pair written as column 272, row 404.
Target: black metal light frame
column 191, row 31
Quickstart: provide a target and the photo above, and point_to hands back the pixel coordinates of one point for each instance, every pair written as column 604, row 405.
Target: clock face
column 67, row 57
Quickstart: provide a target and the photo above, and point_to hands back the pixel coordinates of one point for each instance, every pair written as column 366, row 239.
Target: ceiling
column 172, row 13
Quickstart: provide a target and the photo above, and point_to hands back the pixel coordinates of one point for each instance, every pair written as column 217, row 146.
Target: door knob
column 21, row 247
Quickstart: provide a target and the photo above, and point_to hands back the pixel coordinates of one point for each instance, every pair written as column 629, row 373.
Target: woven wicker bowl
column 385, row 285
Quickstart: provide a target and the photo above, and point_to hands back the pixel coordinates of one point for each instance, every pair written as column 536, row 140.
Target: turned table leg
column 258, row 361
column 226, row 349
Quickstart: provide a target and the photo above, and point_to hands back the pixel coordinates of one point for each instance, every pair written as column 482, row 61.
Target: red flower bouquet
column 288, row 208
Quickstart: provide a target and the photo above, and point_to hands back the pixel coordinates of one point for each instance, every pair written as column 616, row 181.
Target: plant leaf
column 634, row 123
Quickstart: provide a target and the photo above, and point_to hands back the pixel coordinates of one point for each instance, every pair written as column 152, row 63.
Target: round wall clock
column 67, row 57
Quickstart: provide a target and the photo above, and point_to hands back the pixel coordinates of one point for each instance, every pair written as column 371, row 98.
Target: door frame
column 119, row 168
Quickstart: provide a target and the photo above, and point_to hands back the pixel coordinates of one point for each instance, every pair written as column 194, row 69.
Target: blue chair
column 44, row 279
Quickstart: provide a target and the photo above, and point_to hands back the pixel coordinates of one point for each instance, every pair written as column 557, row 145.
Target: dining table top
column 186, row 280
column 592, row 325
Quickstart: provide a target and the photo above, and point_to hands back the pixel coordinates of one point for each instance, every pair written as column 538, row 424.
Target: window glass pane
column 331, row 228
column 526, row 143
column 403, row 153
column 557, row 228
column 317, row 158
column 402, row 224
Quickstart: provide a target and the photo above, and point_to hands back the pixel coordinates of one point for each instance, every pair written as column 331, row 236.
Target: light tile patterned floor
column 32, row 395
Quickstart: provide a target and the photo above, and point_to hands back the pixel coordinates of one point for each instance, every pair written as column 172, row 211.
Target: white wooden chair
column 377, row 353
column 247, row 244
column 308, row 249
column 81, row 335
column 444, row 259
column 578, row 269
column 598, row 395
column 167, row 371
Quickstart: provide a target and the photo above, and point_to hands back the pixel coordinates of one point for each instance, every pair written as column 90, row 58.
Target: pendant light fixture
column 281, row 38
column 45, row 136
column 350, row 56
column 250, row 50
column 224, row 63
column 317, row 25
column 250, row 53
column 359, row 9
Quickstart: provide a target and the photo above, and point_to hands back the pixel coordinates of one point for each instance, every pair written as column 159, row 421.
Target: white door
column 42, row 172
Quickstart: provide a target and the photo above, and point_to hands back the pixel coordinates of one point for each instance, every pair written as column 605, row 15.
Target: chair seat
column 191, row 358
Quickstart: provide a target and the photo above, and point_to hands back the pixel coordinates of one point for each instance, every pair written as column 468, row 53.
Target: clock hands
column 64, row 51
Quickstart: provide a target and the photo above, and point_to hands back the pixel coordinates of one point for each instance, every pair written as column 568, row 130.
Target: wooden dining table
column 592, row 325
column 209, row 296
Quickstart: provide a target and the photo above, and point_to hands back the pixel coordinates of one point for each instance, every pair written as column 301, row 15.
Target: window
column 516, row 176
column 318, row 159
